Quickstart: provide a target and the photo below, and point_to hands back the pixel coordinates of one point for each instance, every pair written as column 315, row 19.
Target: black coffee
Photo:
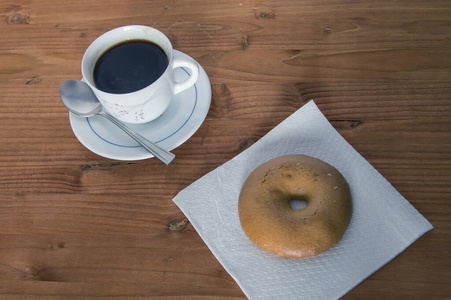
column 129, row 67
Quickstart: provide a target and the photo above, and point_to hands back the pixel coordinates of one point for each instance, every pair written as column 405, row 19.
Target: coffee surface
column 129, row 67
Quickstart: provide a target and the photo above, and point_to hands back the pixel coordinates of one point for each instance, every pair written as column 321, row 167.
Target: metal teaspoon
column 79, row 98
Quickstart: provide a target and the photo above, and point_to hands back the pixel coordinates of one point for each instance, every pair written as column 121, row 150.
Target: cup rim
column 102, row 40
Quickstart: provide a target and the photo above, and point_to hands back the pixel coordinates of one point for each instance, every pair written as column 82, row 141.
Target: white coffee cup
column 146, row 104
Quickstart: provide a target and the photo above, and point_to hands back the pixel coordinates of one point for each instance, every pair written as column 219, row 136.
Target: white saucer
column 178, row 123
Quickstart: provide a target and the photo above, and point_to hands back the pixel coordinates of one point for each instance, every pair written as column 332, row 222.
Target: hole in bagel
column 297, row 204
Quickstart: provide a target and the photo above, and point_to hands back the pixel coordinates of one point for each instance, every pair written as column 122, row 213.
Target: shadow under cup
column 145, row 104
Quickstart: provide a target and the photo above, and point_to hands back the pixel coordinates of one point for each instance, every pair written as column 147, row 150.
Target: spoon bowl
column 79, row 99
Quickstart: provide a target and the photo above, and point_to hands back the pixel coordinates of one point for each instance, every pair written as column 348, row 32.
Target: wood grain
column 77, row 225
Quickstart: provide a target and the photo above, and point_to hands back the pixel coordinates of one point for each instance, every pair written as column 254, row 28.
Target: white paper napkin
column 383, row 224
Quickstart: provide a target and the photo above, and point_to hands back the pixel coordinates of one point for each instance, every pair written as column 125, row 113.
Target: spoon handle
column 165, row 156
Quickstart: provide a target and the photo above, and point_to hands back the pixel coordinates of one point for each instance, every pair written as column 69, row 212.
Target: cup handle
column 185, row 63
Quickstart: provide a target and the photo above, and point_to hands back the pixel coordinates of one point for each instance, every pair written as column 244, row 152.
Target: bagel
column 269, row 220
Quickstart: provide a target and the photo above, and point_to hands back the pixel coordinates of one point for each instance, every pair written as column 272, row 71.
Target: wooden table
column 77, row 225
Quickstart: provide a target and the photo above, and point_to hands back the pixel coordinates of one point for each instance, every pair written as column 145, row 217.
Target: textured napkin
column 383, row 224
